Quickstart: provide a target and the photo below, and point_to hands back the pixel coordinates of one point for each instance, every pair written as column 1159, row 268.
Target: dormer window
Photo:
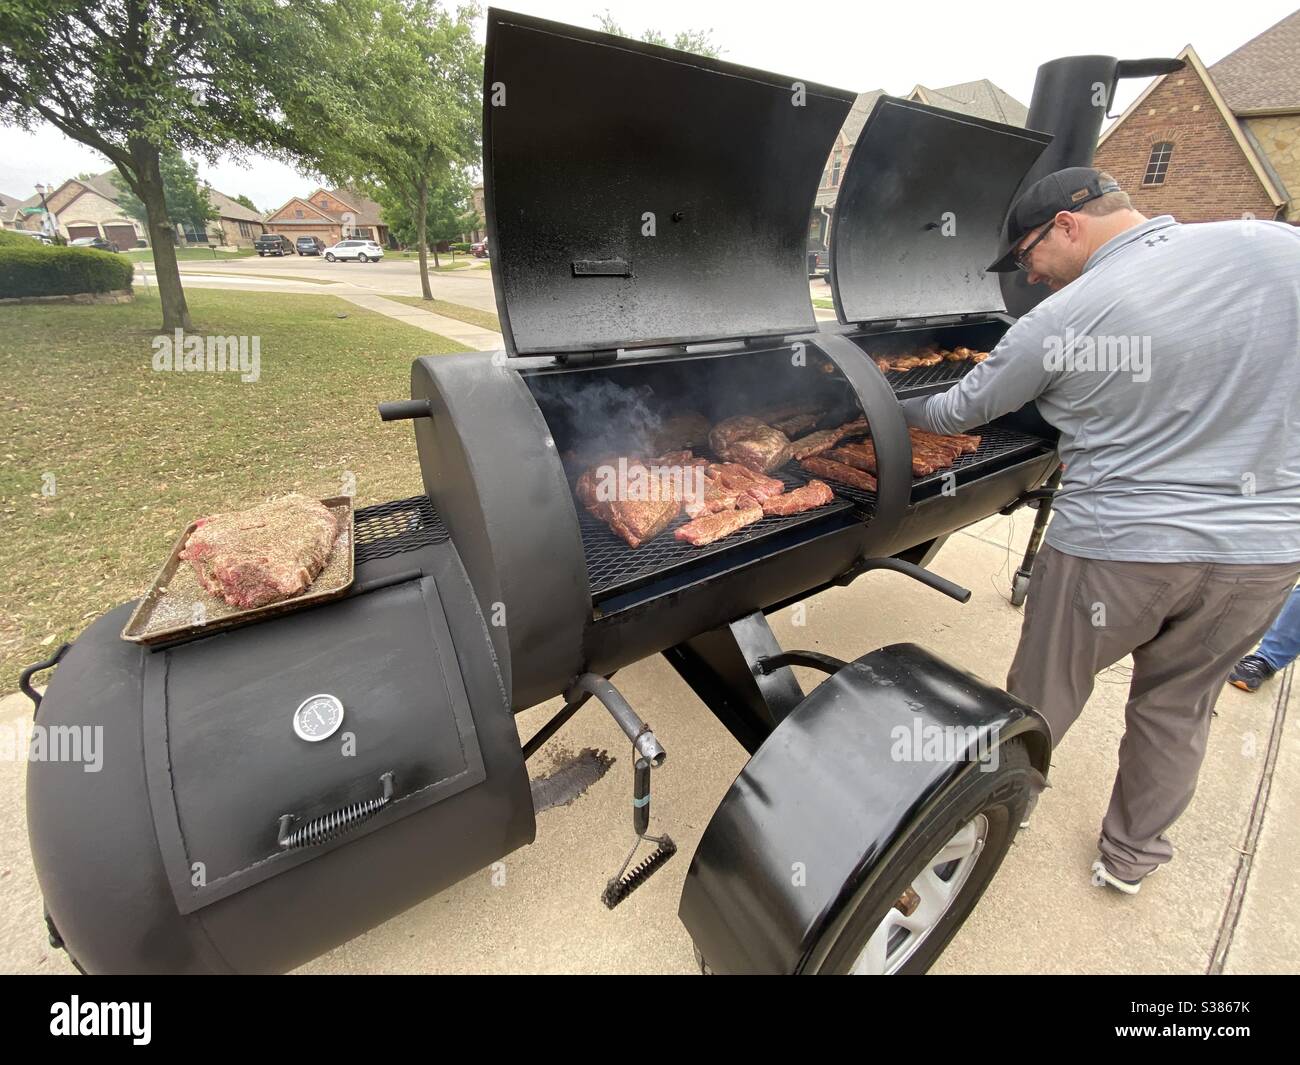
column 297, row 213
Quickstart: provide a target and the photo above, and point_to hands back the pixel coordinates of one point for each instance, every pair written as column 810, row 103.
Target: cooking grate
column 996, row 445
column 401, row 525
column 611, row 563
column 904, row 382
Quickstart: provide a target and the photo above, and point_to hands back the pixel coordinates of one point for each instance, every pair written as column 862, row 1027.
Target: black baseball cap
column 1064, row 190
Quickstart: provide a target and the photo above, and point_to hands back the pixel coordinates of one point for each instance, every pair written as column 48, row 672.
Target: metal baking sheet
column 166, row 614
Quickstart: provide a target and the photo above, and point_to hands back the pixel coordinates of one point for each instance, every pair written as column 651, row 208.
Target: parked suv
column 273, row 244
column 479, row 250
column 363, row 251
column 309, row 245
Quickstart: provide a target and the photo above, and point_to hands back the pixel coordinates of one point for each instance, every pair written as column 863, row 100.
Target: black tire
column 329, row 258
column 1002, row 797
column 363, row 258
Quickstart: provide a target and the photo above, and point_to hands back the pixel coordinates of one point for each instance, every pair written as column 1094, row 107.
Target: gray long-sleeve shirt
column 1171, row 366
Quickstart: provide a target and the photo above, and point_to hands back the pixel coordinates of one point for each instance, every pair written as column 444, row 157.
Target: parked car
column 41, row 237
column 363, row 251
column 479, row 250
column 273, row 244
column 93, row 242
column 309, row 246
column 819, row 262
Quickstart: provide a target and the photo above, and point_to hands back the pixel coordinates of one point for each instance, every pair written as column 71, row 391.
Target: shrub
column 42, row 270
column 459, row 246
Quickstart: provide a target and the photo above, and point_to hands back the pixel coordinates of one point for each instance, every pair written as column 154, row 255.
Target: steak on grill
column 837, row 471
column 249, row 558
column 813, row 494
column 711, row 527
column 751, row 443
column 636, row 520
column 743, row 479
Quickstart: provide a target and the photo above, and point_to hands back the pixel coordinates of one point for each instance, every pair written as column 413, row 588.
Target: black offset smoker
column 647, row 213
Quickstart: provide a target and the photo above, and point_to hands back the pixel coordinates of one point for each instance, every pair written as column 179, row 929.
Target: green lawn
column 465, row 262
column 826, row 305
column 185, row 255
column 137, row 454
column 472, row 315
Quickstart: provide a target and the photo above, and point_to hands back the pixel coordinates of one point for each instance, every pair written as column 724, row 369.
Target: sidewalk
column 472, row 336
column 1212, row 908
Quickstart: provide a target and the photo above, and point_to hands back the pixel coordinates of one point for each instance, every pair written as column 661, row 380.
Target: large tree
column 450, row 211
column 401, row 110
column 186, row 200
column 698, row 41
column 132, row 77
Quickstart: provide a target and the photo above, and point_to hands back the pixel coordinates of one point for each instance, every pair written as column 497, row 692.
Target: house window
column 1158, row 164
column 245, row 230
column 298, row 213
column 835, row 171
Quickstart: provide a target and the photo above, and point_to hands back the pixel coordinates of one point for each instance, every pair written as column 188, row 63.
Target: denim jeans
column 1281, row 643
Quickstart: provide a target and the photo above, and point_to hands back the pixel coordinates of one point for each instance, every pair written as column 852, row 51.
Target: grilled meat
column 712, row 527
column 751, row 443
column 742, row 479
column 249, row 558
column 796, row 424
column 838, row 471
column 816, row 443
column 813, row 494
column 635, row 520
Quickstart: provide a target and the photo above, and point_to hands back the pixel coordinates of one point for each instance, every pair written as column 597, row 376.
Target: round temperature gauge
column 318, row 718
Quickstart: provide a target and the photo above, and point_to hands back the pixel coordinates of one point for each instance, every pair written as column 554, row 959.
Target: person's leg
column 1177, row 677
column 1281, row 644
column 1081, row 616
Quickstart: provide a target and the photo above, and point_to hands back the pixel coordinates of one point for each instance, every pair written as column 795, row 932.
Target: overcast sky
column 843, row 43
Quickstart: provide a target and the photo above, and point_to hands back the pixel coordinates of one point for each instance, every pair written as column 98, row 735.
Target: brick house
column 332, row 215
column 981, row 99
column 1218, row 143
column 89, row 208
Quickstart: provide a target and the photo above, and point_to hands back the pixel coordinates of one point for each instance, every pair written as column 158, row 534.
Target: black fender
column 812, row 819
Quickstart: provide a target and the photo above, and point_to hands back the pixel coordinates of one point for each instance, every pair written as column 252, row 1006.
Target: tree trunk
column 421, row 211
column 176, row 313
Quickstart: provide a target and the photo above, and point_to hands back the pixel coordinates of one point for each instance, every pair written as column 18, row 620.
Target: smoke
column 599, row 416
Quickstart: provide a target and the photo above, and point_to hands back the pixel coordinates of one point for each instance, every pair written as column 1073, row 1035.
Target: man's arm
column 1017, row 370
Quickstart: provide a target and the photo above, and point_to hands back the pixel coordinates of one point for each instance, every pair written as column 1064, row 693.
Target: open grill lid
column 592, row 142
column 920, row 212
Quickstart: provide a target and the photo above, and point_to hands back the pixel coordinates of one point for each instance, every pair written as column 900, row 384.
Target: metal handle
column 628, row 720
column 898, row 565
column 25, row 677
column 336, row 823
column 401, row 409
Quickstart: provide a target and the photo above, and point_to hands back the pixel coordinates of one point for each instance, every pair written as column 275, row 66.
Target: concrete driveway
column 1226, row 903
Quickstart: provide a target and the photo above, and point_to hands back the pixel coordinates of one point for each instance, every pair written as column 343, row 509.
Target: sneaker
column 1250, row 673
column 1101, row 876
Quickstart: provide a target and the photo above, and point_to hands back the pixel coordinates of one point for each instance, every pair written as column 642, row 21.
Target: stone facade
column 1279, row 138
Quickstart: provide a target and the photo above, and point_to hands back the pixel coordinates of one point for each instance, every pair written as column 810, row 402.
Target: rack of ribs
column 838, row 471
column 710, row 527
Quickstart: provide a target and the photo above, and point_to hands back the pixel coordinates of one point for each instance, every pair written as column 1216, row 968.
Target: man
column 1167, row 358
column 1280, row 647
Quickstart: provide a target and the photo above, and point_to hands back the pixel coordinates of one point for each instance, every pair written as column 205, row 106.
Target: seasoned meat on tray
column 712, row 527
column 837, row 471
column 253, row 557
column 813, row 494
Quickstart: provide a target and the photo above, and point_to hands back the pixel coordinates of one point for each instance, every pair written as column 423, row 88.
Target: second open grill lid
column 639, row 195
column 920, row 212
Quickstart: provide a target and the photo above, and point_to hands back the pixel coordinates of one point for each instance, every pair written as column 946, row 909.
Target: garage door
column 123, row 236
column 77, row 232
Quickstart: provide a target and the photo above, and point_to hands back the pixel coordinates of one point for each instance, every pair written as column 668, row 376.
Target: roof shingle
column 1264, row 73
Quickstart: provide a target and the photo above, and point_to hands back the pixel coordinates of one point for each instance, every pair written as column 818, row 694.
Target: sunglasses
column 1021, row 258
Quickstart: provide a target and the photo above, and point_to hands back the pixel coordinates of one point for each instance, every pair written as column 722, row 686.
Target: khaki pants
column 1186, row 624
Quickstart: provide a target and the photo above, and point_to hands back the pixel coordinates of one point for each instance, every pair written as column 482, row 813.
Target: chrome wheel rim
column 928, row 898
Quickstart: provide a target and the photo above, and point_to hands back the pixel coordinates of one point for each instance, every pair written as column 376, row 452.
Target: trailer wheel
column 904, row 923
